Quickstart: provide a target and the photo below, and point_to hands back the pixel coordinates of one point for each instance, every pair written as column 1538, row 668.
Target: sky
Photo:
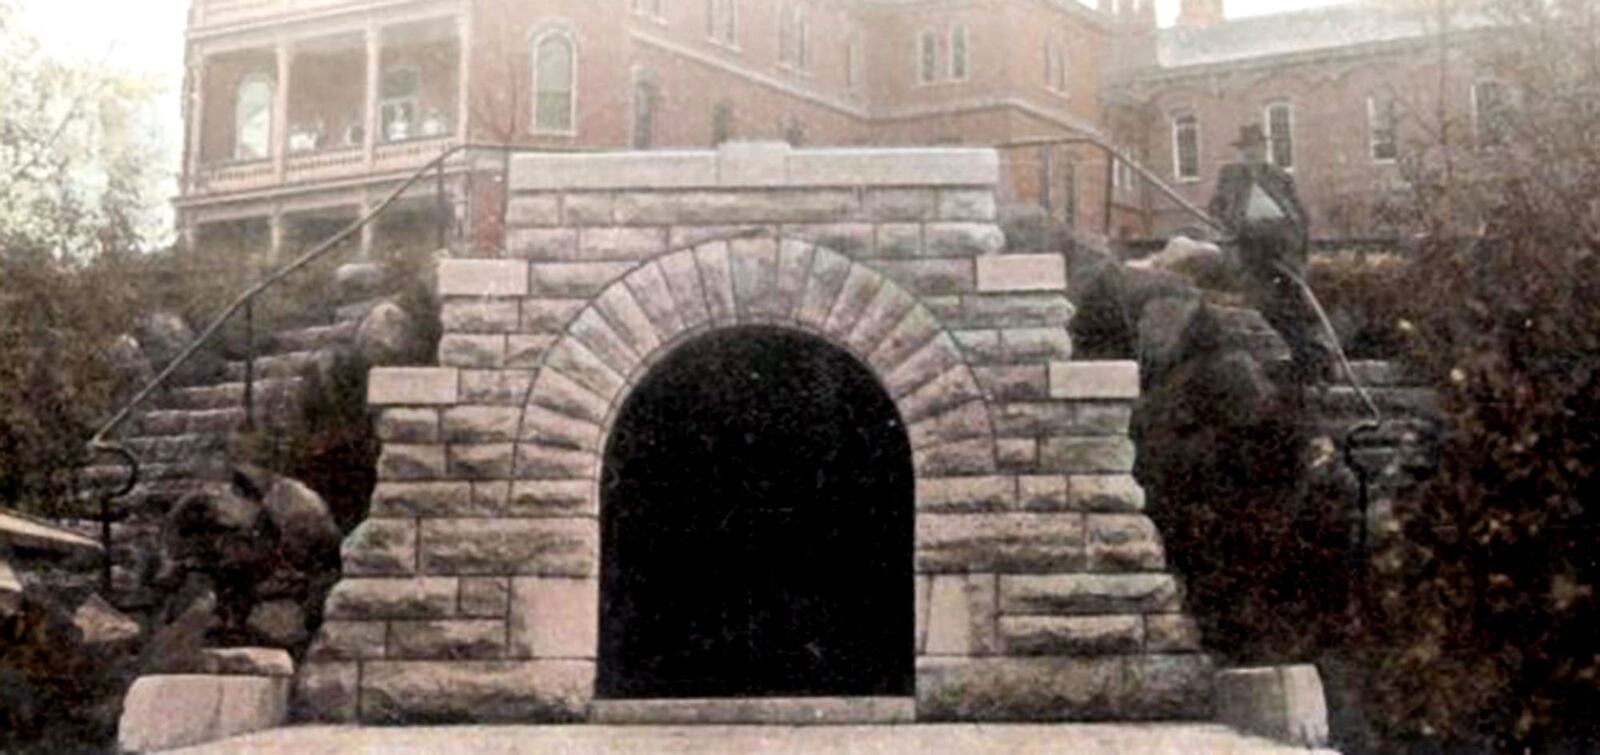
column 146, row 36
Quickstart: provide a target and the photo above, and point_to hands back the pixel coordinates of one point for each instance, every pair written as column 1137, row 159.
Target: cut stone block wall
column 472, row 591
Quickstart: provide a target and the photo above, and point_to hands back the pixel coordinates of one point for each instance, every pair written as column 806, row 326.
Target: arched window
column 554, row 77
column 252, row 118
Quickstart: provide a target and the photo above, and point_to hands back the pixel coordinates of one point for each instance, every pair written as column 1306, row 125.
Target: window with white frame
column 252, row 117
column 722, row 21
column 1185, row 146
column 927, row 56
column 959, row 64
column 1279, row 121
column 1383, row 127
column 555, row 68
column 1055, row 66
column 1491, row 113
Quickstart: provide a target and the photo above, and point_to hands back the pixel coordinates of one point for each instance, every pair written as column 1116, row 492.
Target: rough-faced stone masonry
column 471, row 592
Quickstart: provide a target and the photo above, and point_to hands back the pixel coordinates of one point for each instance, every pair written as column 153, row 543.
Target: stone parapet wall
column 472, row 591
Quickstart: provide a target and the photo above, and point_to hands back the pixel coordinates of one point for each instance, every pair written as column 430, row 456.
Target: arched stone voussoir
column 952, row 388
column 537, row 461
column 682, row 275
column 754, row 263
column 716, row 280
column 968, row 421
column 574, row 360
column 624, row 312
column 597, row 334
column 888, row 308
column 648, row 284
column 826, row 279
column 553, row 390
column 861, row 286
column 794, row 266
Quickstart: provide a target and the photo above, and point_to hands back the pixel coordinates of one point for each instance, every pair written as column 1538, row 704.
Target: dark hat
column 1251, row 135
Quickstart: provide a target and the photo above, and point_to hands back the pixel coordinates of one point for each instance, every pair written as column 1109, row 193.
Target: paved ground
column 1072, row 739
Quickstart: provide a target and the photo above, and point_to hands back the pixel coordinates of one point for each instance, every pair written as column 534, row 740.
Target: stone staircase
column 189, row 435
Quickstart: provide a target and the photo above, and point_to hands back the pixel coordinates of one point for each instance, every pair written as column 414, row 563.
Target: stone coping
column 755, row 165
column 26, row 532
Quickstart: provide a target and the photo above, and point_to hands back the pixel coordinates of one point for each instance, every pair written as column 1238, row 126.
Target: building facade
column 302, row 113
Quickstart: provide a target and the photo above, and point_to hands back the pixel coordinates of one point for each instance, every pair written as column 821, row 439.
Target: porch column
column 280, row 110
column 374, row 37
column 464, row 71
column 197, row 103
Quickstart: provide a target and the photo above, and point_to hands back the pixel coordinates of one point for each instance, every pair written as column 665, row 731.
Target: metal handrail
column 101, row 443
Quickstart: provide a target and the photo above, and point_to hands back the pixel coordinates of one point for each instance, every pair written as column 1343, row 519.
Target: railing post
column 250, row 365
column 442, row 205
column 1110, row 188
column 105, row 543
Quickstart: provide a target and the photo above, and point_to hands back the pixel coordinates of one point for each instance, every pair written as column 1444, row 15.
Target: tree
column 77, row 200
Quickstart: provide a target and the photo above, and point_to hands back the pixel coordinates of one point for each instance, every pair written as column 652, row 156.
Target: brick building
column 301, row 113
column 1344, row 93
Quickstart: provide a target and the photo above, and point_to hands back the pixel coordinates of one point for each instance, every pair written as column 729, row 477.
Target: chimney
column 1198, row 14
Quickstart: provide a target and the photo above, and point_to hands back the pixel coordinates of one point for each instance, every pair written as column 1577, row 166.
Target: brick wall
column 472, row 591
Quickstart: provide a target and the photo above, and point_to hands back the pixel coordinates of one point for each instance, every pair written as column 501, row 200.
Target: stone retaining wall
column 472, row 591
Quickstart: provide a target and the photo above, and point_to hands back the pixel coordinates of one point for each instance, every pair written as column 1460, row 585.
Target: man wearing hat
column 1256, row 202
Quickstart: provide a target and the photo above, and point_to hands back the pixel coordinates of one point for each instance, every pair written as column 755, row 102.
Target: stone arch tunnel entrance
column 757, row 526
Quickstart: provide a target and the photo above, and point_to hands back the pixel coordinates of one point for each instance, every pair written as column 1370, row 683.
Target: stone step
column 230, row 395
column 802, row 711
column 1153, row 738
column 318, row 337
column 191, row 421
column 173, row 448
column 290, row 364
column 1344, row 401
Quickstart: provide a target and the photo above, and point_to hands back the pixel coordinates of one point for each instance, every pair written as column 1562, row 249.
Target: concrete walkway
column 1073, row 739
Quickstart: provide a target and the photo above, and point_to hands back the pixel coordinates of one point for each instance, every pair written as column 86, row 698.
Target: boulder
column 388, row 335
column 169, row 712
column 176, row 647
column 247, row 662
column 357, row 281
column 100, row 625
column 280, row 623
column 163, row 336
column 1186, row 256
column 307, row 533
column 10, row 591
column 1285, row 703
